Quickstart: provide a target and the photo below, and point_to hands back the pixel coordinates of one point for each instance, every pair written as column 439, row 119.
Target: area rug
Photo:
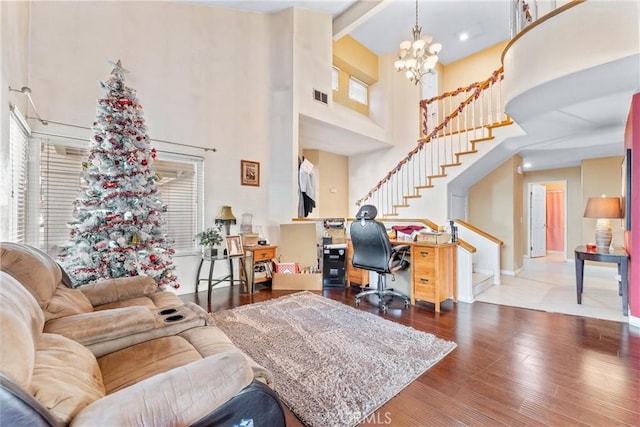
column 333, row 364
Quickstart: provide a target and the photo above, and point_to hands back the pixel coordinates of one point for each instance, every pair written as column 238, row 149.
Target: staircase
column 458, row 129
column 453, row 127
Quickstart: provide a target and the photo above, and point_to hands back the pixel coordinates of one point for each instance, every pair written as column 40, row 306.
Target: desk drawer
column 424, row 287
column 264, row 254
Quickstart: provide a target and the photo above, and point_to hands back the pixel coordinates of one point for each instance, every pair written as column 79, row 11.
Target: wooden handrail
column 466, row 246
column 421, row 142
column 480, row 232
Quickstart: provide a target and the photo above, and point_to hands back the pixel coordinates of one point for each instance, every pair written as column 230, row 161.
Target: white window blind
column 14, row 186
column 180, row 186
column 358, row 91
column 335, row 78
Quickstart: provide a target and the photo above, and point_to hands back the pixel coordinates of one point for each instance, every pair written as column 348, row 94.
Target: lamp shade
column 225, row 214
column 603, row 207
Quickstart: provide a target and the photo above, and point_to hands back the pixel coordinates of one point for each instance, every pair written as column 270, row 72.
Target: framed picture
column 234, row 246
column 250, row 173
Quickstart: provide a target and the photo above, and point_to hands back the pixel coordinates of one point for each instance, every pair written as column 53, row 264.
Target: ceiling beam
column 357, row 14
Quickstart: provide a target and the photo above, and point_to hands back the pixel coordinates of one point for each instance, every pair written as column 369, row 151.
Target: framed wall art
column 250, row 173
column 234, row 246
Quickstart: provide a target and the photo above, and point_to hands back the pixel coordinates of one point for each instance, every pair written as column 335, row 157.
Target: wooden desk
column 618, row 256
column 433, row 272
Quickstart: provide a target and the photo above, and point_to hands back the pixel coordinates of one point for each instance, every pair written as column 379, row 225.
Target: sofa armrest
column 123, row 288
column 98, row 326
column 180, row 396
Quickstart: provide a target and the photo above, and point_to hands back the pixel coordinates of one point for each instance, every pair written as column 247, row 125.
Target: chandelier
column 418, row 57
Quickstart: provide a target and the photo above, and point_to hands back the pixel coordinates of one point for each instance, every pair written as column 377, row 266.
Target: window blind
column 180, row 187
column 358, row 91
column 15, row 186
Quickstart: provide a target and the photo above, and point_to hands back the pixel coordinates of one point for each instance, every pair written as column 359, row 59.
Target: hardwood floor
column 512, row 366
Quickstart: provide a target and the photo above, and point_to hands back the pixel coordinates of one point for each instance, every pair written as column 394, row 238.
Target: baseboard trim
column 634, row 321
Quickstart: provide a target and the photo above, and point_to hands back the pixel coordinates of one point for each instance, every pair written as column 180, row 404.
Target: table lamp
column 603, row 208
column 226, row 217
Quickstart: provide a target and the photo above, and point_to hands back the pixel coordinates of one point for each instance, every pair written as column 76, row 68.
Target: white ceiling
column 390, row 21
column 556, row 137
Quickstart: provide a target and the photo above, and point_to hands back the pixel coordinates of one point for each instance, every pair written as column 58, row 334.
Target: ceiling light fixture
column 463, row 37
column 418, row 57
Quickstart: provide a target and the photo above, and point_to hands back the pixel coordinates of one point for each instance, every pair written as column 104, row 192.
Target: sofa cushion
column 210, row 340
column 178, row 397
column 99, row 326
column 133, row 364
column 107, row 291
column 66, row 376
column 21, row 322
column 66, row 302
column 31, row 267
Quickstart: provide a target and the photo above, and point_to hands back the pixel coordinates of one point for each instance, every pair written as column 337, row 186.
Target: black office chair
column 373, row 251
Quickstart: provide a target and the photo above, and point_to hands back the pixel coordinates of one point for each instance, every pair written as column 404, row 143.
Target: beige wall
column 573, row 195
column 495, row 206
column 332, row 174
column 473, row 68
column 601, row 176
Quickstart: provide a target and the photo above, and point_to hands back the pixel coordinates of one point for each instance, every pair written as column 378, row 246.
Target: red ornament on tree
column 125, row 101
column 177, row 286
column 144, row 162
column 153, row 258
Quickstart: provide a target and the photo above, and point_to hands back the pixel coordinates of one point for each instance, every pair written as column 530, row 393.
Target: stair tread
column 400, row 206
column 437, row 176
column 451, row 164
column 414, row 196
column 486, row 138
column 424, row 186
column 461, row 153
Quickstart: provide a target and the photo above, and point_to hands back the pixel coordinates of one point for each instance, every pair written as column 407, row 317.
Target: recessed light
column 463, row 36
column 526, row 165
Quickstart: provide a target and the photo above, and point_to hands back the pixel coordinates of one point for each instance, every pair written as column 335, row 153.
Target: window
column 358, row 91
column 335, row 78
column 13, row 193
column 180, row 186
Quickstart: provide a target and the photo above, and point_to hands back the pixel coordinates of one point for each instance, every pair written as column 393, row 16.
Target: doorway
column 547, row 218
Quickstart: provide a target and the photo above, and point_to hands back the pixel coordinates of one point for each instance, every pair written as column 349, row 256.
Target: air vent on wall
column 320, row 96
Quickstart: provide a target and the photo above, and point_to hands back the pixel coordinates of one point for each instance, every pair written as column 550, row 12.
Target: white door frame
column 566, row 213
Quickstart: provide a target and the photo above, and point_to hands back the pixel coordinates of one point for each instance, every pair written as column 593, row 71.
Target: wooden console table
column 618, row 256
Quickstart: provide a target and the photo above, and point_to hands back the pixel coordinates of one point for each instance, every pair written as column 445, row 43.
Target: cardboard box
column 298, row 244
column 249, row 239
column 297, row 282
column 433, row 238
column 338, row 235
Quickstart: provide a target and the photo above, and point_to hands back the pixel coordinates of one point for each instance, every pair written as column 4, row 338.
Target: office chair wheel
column 406, row 303
column 384, row 308
column 357, row 301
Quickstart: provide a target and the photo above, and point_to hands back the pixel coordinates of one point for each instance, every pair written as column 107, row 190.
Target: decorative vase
column 208, row 251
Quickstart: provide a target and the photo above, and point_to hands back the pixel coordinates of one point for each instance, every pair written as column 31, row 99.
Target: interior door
column 537, row 220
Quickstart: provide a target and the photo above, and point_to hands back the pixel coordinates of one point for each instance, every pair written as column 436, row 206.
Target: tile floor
column 549, row 284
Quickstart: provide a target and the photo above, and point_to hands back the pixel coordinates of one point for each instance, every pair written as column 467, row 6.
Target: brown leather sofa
column 104, row 316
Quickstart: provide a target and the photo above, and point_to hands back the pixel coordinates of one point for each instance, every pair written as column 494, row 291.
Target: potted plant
column 210, row 238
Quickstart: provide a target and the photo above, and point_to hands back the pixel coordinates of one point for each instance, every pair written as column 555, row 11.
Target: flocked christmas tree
column 118, row 229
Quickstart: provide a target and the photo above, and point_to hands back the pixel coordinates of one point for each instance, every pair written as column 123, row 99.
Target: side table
column 246, row 275
column 261, row 255
column 618, row 256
